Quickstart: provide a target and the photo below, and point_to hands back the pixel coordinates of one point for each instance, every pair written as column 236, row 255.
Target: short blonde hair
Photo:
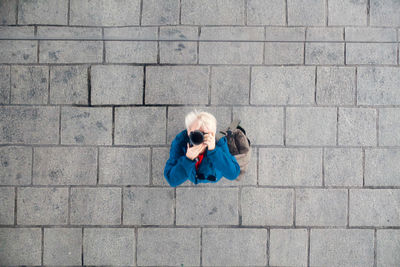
column 205, row 118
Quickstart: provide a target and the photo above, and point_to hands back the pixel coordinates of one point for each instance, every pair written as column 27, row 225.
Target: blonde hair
column 205, row 118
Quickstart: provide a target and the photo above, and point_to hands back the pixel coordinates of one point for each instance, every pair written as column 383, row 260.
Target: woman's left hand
column 209, row 139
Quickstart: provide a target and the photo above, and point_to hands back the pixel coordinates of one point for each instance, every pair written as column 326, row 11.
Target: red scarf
column 200, row 159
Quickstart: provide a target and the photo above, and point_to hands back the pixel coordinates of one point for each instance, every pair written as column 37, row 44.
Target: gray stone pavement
column 92, row 93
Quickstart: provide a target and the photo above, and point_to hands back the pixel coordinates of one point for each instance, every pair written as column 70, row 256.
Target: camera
column 196, row 137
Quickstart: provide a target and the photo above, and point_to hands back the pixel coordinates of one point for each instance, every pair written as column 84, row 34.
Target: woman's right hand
column 194, row 151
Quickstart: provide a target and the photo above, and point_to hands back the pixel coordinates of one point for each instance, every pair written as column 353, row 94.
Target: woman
column 203, row 163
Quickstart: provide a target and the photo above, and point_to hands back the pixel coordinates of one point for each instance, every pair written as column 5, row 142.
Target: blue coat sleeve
column 178, row 167
column 224, row 161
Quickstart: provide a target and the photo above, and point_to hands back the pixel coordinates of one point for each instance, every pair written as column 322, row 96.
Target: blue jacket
column 217, row 162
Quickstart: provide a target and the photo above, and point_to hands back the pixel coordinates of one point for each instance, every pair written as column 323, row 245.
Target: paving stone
column 311, row 126
column 180, row 32
column 67, row 32
column 389, row 126
column 124, row 166
column 282, row 85
column 288, row 247
column 236, row 33
column 168, row 246
column 5, row 84
column 131, row 51
column 228, row 246
column 385, row 13
column 86, row 125
column 321, row 207
column 219, row 206
column 160, row 12
column 382, row 167
column 268, row 130
column 43, row 12
column 342, row 247
column 131, row 33
column 285, row 33
column 62, row 246
column 11, row 32
column 267, row 206
column 109, row 246
column 70, row 51
column 324, row 34
column 142, row 121
column 148, row 206
column 159, row 157
column 371, row 53
column 7, row 198
column 64, row 165
column 178, row 52
column 15, row 165
column 260, row 12
column 230, row 85
column 370, row 34
column 42, row 206
column 105, row 12
column 388, row 246
column 116, row 84
column 176, row 118
column 374, row 207
column 324, row 53
column 29, row 84
column 18, row 51
column 211, row 12
column 95, row 206
column 378, row 85
column 20, row 246
column 336, row 85
column 347, row 12
column 8, row 12
column 177, row 84
column 306, row 12
column 230, row 52
column 69, row 85
column 343, row 166
column 29, row 125
column 290, row 166
column 284, row 53
column 357, row 127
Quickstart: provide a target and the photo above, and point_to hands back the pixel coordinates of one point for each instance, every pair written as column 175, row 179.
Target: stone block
column 29, row 125
column 230, row 52
column 70, row 51
column 130, row 51
column 18, row 51
column 324, row 53
column 7, row 206
column 347, row 12
column 382, row 167
column 279, row 53
column 311, row 126
column 148, row 206
column 357, row 127
column 43, row 12
column 96, row 205
column 116, row 84
column 160, row 12
column 15, row 165
column 288, row 247
column 29, row 84
column 86, row 125
column 177, row 84
column 69, row 85
column 124, row 166
column 282, row 85
column 306, row 12
column 140, row 125
column 261, row 12
column 218, row 206
column 371, row 53
column 290, row 166
column 230, row 85
column 42, row 206
column 267, row 206
column 64, row 165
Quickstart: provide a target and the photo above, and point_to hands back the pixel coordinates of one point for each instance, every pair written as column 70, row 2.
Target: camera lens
column 197, row 137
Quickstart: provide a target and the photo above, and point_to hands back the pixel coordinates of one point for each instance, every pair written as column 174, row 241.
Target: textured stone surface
column 5, row 76
column 371, row 53
column 16, row 165
column 43, row 12
column 347, row 12
column 382, row 167
column 29, row 84
column 230, row 53
column 7, row 206
column 42, row 205
column 116, row 84
column 77, row 166
column 306, row 12
column 71, row 51
column 288, row 247
column 324, row 53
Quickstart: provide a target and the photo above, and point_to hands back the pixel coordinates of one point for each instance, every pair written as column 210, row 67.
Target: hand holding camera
column 198, row 141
